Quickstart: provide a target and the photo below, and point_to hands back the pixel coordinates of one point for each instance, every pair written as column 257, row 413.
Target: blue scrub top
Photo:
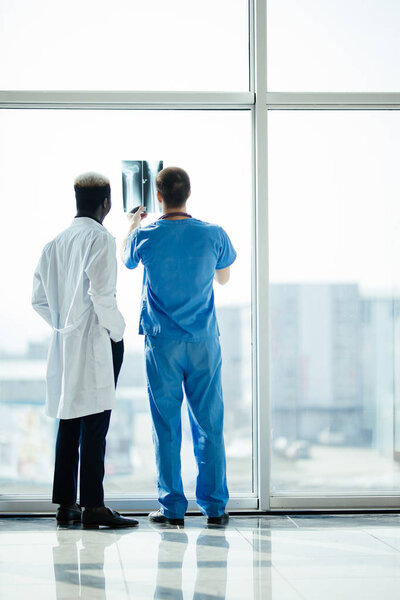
column 179, row 259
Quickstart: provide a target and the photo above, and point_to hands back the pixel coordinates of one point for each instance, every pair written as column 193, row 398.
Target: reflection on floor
column 336, row 557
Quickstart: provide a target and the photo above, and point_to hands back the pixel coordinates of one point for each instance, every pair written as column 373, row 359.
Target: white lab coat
column 74, row 291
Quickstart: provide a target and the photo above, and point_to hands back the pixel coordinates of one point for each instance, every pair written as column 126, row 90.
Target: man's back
column 74, row 291
column 180, row 258
column 66, row 264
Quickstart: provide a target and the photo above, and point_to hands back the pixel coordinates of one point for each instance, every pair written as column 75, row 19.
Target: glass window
column 41, row 152
column 341, row 46
column 334, row 282
column 152, row 45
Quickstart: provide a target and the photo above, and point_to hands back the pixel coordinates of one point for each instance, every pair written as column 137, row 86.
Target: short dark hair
column 173, row 184
column 90, row 191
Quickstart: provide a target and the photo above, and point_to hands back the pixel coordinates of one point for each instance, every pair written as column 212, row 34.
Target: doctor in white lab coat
column 74, row 291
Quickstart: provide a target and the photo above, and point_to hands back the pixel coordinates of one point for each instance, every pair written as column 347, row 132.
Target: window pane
column 335, row 300
column 40, row 154
column 124, row 45
column 325, row 46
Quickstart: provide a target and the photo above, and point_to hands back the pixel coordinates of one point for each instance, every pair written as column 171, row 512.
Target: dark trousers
column 87, row 435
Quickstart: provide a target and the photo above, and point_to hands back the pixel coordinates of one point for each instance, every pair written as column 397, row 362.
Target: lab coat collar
column 88, row 222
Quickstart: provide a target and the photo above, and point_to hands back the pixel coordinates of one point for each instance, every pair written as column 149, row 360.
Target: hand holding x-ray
column 136, row 215
column 139, row 184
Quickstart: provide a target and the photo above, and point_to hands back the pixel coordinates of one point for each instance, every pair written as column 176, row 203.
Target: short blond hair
column 91, row 189
column 91, row 179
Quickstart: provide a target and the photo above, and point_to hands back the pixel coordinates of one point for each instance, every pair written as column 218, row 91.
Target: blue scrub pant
column 195, row 367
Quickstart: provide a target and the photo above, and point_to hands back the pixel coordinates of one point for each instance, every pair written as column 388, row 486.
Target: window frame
column 259, row 101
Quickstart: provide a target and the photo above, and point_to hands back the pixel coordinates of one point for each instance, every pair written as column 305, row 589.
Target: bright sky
column 41, row 152
column 333, row 45
column 333, row 177
column 126, row 44
column 335, row 198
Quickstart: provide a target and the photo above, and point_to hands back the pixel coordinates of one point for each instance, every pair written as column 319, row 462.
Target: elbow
column 222, row 279
column 222, row 275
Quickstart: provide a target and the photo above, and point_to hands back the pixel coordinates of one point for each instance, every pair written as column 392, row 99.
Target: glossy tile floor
column 279, row 557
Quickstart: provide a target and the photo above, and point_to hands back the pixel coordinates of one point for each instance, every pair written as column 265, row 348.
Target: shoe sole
column 73, row 522
column 98, row 525
column 178, row 522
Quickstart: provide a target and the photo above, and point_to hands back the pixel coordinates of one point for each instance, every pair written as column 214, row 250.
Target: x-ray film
column 139, row 184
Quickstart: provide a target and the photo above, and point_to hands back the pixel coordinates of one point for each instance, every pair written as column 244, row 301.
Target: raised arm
column 134, row 222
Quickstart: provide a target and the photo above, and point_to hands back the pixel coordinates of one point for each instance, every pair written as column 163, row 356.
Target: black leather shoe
column 221, row 520
column 93, row 518
column 158, row 517
column 68, row 515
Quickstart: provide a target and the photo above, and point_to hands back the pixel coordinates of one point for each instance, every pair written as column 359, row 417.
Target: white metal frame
column 318, row 101
column 261, row 288
column 126, row 100
column 334, row 502
column 259, row 101
column 332, row 101
column 126, row 503
column 149, row 100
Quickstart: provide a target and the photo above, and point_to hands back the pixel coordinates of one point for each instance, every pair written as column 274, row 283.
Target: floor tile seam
column 293, row 521
column 245, row 538
column 288, row 582
column 330, row 530
column 395, row 577
column 293, row 580
column 359, row 555
column 339, row 549
column 288, row 532
column 123, row 571
column 322, row 562
column 397, row 550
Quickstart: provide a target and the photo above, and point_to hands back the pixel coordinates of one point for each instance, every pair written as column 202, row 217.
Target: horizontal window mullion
column 26, row 505
column 364, row 501
column 125, row 100
column 311, row 100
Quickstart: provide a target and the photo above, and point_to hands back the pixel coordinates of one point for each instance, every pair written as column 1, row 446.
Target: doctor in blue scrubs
column 182, row 256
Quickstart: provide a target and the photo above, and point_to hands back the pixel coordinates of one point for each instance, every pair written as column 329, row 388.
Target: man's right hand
column 136, row 217
column 134, row 222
